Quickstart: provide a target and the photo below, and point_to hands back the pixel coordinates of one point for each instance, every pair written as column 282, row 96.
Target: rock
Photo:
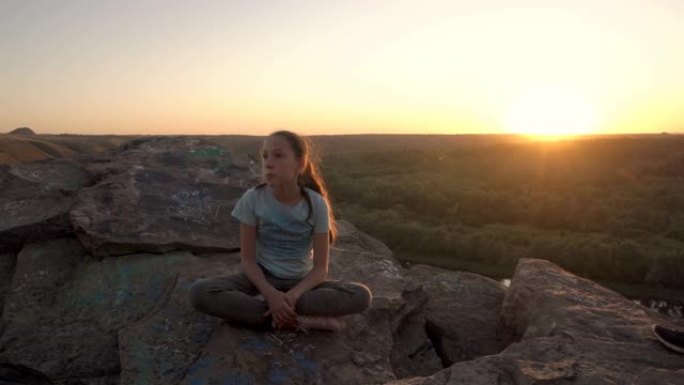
column 35, row 199
column 159, row 195
column 76, row 337
column 566, row 329
column 359, row 257
column 7, row 264
column 659, row 377
column 41, row 269
column 22, row 131
column 288, row 358
column 351, row 259
column 461, row 313
column 450, row 317
column 59, row 174
column 160, row 348
column 543, row 300
column 413, row 352
column 17, row 374
column 61, row 348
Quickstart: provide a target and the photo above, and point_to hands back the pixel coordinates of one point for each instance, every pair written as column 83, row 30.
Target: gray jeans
column 233, row 297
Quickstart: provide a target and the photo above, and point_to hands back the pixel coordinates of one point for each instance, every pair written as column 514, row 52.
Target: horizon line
column 378, row 134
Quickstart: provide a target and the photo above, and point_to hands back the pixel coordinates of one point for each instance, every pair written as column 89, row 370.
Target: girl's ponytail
column 310, row 177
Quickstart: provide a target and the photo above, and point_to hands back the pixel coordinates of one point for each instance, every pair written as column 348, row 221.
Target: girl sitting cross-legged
column 286, row 228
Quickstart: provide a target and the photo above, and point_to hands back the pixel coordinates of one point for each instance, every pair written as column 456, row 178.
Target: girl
column 286, row 227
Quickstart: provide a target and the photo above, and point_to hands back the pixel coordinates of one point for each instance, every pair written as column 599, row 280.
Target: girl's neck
column 287, row 194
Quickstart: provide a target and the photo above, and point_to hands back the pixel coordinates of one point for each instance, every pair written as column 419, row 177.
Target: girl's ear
column 301, row 166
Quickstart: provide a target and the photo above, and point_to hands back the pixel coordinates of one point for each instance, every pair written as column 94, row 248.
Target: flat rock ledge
column 97, row 255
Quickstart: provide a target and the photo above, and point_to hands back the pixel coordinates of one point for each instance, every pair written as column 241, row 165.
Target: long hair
column 311, row 177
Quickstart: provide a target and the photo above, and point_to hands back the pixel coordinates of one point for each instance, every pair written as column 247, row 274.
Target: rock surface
column 563, row 329
column 159, row 195
column 102, row 298
column 7, row 264
column 35, row 200
column 461, row 312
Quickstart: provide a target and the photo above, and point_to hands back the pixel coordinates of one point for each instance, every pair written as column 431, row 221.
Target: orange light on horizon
column 552, row 111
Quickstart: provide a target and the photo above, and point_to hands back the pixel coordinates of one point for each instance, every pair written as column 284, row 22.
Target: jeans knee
column 363, row 295
column 197, row 294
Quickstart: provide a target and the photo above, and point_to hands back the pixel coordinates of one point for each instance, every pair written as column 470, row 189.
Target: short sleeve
column 322, row 220
column 244, row 209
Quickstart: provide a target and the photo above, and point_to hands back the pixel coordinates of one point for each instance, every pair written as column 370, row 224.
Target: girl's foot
column 316, row 322
column 290, row 327
column 673, row 339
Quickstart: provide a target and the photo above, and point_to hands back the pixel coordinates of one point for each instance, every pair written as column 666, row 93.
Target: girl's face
column 279, row 163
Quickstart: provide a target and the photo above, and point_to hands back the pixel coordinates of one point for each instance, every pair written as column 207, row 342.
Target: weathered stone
column 413, row 353
column 60, row 347
column 76, row 336
column 160, row 348
column 59, row 174
column 567, row 330
column 351, row 260
column 112, row 379
column 660, row 377
column 359, row 257
column 461, row 312
column 121, row 291
column 34, row 219
column 240, row 355
column 19, row 375
column 543, row 300
column 162, row 194
column 41, row 269
column 7, row 265
column 35, row 199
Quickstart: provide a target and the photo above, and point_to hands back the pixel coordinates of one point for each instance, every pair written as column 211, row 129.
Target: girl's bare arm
column 248, row 260
column 318, row 273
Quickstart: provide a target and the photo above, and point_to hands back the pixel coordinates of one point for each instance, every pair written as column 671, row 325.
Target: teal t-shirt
column 284, row 233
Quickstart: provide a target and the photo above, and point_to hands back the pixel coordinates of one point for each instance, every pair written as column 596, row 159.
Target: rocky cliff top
column 97, row 254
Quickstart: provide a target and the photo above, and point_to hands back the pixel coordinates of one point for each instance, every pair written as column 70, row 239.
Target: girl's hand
column 292, row 298
column 279, row 306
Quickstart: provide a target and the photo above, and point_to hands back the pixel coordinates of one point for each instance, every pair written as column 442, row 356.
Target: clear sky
column 341, row 67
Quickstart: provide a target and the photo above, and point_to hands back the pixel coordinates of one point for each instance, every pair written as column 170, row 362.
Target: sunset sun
column 551, row 113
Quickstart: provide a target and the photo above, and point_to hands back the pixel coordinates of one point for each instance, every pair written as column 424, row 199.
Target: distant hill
column 19, row 147
column 22, row 131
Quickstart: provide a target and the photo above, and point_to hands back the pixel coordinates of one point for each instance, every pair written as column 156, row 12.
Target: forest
column 607, row 208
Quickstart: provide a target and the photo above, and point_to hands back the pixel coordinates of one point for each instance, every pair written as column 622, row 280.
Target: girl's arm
column 318, row 273
column 248, row 259
column 278, row 304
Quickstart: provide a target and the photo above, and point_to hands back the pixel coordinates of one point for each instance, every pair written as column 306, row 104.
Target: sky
column 342, row 67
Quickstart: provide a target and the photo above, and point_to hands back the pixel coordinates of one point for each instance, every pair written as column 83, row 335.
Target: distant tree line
column 610, row 209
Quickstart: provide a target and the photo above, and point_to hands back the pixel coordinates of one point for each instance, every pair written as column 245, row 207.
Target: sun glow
column 551, row 112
